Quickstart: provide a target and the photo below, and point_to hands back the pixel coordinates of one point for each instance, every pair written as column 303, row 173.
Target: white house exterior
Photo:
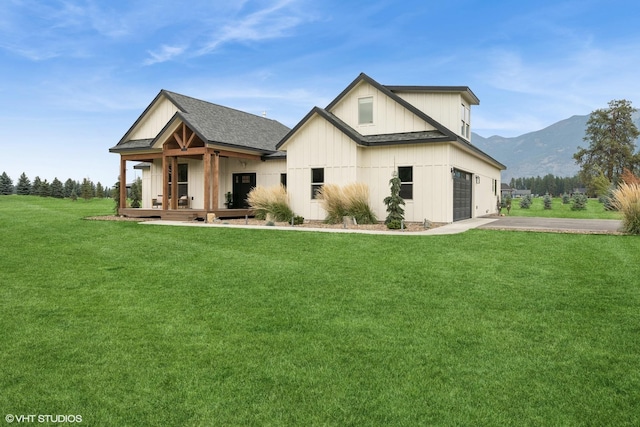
column 365, row 135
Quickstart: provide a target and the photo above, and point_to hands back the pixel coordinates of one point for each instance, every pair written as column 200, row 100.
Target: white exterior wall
column 155, row 119
column 318, row 144
column 432, row 186
column 445, row 108
column 388, row 115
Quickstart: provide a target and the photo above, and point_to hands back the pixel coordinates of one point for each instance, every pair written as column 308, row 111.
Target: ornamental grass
column 626, row 199
column 270, row 201
column 352, row 200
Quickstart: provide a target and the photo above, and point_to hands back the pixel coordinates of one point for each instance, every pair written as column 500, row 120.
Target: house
column 506, row 190
column 366, row 134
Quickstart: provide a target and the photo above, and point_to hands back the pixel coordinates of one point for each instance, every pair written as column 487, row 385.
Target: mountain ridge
column 546, row 151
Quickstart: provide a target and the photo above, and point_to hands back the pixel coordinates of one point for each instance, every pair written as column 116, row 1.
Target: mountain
column 546, row 151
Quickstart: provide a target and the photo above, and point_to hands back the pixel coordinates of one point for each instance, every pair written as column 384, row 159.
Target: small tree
column 99, row 190
column 136, row 193
column 525, row 202
column 547, row 201
column 24, row 185
column 394, row 204
column 6, row 184
column 86, row 190
column 115, row 194
column 579, row 202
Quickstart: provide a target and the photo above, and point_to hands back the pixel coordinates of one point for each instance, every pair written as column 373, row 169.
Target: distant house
column 366, row 134
column 506, row 190
column 521, row 193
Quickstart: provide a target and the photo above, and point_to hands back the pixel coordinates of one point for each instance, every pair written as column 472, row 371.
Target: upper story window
column 465, row 127
column 365, row 110
column 317, row 181
column 405, row 173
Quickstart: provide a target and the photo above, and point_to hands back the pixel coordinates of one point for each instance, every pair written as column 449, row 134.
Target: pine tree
column 36, row 186
column 69, row 186
column 99, row 190
column 394, row 204
column 24, row 185
column 57, row 189
column 6, row 184
column 611, row 134
column 86, row 190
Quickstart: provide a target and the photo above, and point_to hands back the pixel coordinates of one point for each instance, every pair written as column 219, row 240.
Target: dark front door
column 243, row 183
column 461, row 195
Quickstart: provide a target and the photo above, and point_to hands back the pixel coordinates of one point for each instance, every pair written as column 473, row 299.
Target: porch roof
column 216, row 124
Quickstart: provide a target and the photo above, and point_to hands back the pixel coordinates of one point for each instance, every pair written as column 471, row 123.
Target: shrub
column 547, row 201
column 525, row 202
column 566, row 199
column 626, row 199
column 394, row 204
column 271, row 201
column 297, row 220
column 579, row 202
column 351, row 200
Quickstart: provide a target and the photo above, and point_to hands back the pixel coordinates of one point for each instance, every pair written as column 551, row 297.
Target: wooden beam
column 216, row 181
column 165, row 183
column 174, row 183
column 141, row 157
column 193, row 134
column 207, row 181
column 177, row 152
column 123, row 183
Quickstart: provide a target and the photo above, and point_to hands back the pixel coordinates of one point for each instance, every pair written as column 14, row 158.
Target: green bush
column 579, row 202
column 525, row 202
column 394, row 204
column 298, row 220
column 547, row 201
column 394, row 224
column 566, row 199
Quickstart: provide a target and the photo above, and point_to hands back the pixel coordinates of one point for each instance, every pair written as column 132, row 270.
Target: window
column 365, row 110
column 465, row 126
column 317, row 180
column 405, row 173
column 283, row 180
column 183, row 179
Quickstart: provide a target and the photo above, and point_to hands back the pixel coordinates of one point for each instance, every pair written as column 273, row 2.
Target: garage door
column 461, row 195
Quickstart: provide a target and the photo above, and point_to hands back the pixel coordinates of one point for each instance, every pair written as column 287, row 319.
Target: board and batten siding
column 155, row 120
column 318, row 144
column 388, row 116
column 445, row 108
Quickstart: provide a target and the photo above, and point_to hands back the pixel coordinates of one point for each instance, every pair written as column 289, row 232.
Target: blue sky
column 75, row 74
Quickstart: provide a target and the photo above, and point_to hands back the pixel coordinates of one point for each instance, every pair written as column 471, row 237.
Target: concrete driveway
column 596, row 226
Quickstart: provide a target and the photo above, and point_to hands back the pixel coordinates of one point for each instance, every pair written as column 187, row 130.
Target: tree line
column 72, row 189
column 551, row 184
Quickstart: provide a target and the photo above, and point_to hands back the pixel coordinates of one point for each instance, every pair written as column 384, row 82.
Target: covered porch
column 170, row 200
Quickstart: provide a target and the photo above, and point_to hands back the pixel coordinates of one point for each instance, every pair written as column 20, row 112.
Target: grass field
column 594, row 210
column 135, row 325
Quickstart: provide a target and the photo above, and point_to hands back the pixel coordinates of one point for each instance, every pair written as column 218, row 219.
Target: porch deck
column 184, row 214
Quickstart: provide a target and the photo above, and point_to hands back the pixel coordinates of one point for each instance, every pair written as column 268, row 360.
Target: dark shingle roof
column 228, row 126
column 217, row 125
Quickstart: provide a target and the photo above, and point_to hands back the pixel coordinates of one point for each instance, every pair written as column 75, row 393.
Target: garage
column 461, row 195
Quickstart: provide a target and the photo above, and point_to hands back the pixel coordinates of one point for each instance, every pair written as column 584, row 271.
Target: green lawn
column 594, row 210
column 137, row 325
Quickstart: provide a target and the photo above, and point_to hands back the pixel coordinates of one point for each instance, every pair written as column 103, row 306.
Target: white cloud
column 166, row 53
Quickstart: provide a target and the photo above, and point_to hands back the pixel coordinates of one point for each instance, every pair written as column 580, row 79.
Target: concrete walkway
column 454, row 228
column 566, row 225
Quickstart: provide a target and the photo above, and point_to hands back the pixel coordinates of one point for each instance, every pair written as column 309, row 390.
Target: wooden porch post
column 174, row 183
column 123, row 183
column 165, row 183
column 207, row 180
column 216, row 181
